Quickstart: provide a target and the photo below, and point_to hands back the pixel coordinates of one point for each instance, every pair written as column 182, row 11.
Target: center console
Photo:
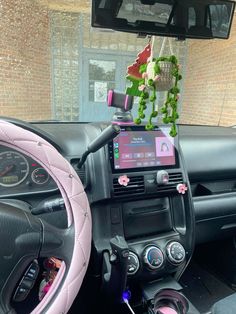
column 149, row 209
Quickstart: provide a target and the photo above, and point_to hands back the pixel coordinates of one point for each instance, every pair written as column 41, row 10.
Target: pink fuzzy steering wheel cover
column 61, row 294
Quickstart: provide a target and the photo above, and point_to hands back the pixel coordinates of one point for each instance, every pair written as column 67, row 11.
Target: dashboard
column 159, row 224
column 143, row 212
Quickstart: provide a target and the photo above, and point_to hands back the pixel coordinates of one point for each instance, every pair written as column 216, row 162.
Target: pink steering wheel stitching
column 62, row 292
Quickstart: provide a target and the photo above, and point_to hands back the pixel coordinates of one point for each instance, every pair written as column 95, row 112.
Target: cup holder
column 169, row 301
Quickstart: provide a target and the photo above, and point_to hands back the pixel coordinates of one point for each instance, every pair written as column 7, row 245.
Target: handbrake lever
column 115, row 266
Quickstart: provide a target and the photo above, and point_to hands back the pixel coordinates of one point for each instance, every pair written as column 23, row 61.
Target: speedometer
column 14, row 168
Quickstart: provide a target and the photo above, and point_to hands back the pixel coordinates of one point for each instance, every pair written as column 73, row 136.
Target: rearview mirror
column 176, row 18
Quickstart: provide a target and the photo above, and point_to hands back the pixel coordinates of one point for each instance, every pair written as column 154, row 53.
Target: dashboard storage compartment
column 147, row 217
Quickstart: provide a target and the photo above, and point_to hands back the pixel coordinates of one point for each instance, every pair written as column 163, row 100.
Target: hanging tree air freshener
column 149, row 75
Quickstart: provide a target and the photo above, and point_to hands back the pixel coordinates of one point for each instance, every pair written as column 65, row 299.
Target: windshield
column 54, row 66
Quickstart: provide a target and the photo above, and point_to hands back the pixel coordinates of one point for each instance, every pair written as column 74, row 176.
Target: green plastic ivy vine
column 147, row 92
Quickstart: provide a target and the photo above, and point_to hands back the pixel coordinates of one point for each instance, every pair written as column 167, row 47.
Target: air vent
column 175, row 178
column 80, row 172
column 135, row 187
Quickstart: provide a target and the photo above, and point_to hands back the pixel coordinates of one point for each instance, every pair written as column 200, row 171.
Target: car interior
column 118, row 157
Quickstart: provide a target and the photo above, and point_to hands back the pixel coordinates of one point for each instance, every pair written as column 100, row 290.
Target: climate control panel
column 175, row 252
column 153, row 257
column 133, row 264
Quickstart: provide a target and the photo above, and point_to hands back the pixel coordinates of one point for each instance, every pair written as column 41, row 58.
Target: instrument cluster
column 20, row 174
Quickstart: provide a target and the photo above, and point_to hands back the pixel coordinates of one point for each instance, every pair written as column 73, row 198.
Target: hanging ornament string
column 149, row 75
column 152, row 86
column 152, row 47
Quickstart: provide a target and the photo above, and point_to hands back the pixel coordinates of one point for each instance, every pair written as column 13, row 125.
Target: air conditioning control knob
column 133, row 264
column 153, row 257
column 175, row 252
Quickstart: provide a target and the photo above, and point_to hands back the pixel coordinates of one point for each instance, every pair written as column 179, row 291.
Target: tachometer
column 14, row 168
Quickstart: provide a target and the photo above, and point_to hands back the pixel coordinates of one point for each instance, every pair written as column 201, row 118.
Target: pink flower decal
column 157, row 78
column 144, row 75
column 182, row 188
column 123, row 180
column 142, row 88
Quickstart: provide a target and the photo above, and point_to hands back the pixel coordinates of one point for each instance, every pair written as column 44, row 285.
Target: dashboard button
column 32, row 271
column 133, row 264
column 153, row 257
column 150, row 183
column 20, row 294
column 27, row 282
column 175, row 252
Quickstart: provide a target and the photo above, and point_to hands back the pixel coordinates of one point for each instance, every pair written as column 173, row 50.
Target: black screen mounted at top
column 200, row 19
column 135, row 149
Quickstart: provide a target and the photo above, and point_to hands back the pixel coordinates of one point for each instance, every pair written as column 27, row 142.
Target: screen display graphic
column 142, row 149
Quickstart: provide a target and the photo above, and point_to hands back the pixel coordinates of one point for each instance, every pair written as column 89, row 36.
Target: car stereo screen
column 141, row 149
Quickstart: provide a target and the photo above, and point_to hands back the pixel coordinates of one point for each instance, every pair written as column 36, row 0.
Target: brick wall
column 210, row 82
column 24, row 60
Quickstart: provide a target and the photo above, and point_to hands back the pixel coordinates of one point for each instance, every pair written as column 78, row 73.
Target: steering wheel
column 25, row 237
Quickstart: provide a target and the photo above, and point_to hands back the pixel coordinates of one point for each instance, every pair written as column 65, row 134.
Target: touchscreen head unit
column 135, row 149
